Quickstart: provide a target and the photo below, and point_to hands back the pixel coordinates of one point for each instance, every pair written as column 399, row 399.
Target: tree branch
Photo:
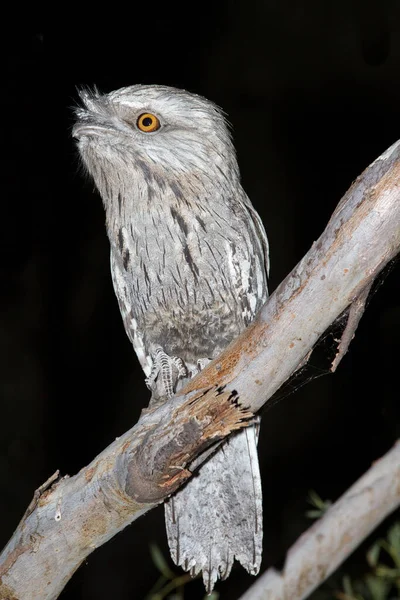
column 75, row 515
column 323, row 547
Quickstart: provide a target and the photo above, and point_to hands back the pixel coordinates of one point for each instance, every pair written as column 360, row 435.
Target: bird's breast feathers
column 192, row 286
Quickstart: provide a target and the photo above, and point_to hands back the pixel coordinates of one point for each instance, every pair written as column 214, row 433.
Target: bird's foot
column 199, row 366
column 202, row 362
column 166, row 369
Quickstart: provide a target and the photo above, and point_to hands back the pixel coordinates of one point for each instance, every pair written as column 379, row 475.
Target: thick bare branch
column 361, row 237
column 140, row 469
column 321, row 549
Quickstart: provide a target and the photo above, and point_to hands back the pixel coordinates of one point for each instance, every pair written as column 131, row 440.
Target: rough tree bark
column 72, row 516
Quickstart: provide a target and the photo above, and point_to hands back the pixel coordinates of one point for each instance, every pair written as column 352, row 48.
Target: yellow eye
column 148, row 123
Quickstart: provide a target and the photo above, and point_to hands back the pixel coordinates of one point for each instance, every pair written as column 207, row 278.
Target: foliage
column 319, row 506
column 382, row 582
column 170, row 585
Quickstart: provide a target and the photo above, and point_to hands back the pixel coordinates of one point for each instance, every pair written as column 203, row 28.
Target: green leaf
column 393, row 537
column 347, row 585
column 378, row 587
column 160, row 562
column 373, row 554
column 316, row 501
column 349, row 591
column 387, row 572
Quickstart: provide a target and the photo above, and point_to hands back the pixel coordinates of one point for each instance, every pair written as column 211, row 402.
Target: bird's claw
column 163, row 367
column 201, row 363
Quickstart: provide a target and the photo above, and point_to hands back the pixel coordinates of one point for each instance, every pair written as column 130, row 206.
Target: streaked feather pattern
column 189, row 262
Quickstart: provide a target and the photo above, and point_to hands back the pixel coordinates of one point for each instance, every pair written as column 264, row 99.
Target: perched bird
column 189, row 263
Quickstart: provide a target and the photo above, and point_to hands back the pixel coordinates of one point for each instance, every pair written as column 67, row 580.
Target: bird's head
column 149, row 137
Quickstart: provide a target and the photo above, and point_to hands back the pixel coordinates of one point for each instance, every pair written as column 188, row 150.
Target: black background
column 312, row 91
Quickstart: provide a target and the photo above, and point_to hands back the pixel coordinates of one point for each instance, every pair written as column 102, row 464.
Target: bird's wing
column 127, row 313
column 260, row 230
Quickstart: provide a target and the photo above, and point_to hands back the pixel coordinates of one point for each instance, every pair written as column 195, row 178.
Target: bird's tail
column 217, row 516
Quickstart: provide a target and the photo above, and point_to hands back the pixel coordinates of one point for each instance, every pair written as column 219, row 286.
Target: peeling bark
column 158, row 467
column 67, row 521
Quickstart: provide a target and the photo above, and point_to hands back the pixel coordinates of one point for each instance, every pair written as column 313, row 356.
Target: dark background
column 312, row 90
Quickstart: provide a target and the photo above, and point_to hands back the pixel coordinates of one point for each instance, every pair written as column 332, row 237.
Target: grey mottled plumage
column 189, row 260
